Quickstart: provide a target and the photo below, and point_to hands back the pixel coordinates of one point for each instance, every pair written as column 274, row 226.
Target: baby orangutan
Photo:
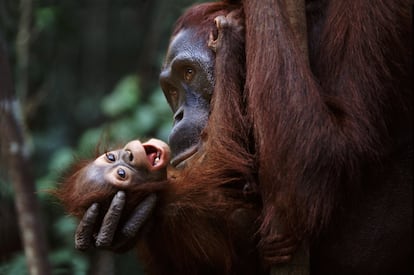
column 177, row 222
column 138, row 169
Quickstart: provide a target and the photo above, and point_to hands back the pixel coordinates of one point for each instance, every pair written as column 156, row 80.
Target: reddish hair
column 200, row 17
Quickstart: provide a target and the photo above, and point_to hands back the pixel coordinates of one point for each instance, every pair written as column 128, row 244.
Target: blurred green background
column 91, row 76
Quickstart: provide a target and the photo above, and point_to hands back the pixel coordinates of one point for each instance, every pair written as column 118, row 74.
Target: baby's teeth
column 157, row 158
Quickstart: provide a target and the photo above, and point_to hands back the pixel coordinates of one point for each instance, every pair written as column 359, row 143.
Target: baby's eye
column 121, row 172
column 110, row 157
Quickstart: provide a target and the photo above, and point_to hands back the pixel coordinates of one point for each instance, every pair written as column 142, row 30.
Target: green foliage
column 45, row 18
column 88, row 141
column 162, row 113
column 64, row 227
column 127, row 118
column 5, row 189
column 67, row 262
column 123, row 98
column 61, row 160
column 69, row 113
column 17, row 265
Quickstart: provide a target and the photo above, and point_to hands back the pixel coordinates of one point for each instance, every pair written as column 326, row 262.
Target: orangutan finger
column 110, row 221
column 282, row 243
column 284, row 251
column 84, row 231
column 139, row 216
column 278, row 259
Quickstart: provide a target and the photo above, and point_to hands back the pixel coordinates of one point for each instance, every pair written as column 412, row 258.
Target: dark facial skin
column 188, row 82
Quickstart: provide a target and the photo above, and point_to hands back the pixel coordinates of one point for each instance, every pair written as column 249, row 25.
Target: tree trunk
column 15, row 155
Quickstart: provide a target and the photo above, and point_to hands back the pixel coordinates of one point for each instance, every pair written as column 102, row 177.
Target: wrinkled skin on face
column 188, row 82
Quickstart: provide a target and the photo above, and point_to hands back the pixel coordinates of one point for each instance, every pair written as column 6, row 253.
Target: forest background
column 84, row 72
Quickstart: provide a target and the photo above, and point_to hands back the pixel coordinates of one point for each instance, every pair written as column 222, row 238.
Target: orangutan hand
column 111, row 235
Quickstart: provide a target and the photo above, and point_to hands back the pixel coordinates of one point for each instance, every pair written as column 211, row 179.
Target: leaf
column 123, row 129
column 45, row 18
column 145, row 118
column 61, row 160
column 123, row 98
column 88, row 141
column 17, row 265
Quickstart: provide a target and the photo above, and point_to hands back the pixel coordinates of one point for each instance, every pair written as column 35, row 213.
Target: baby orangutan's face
column 137, row 168
column 135, row 163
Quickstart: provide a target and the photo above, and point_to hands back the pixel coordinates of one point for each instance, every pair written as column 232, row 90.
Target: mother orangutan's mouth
column 181, row 158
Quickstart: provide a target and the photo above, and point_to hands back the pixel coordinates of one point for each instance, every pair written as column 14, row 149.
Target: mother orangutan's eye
column 110, row 157
column 189, row 74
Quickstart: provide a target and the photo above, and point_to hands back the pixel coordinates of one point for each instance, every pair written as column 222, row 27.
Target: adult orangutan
column 195, row 228
column 325, row 139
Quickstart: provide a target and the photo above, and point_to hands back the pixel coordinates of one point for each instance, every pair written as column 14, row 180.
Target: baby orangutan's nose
column 127, row 156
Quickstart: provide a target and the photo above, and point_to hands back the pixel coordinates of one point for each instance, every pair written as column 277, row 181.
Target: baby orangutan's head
column 138, row 168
